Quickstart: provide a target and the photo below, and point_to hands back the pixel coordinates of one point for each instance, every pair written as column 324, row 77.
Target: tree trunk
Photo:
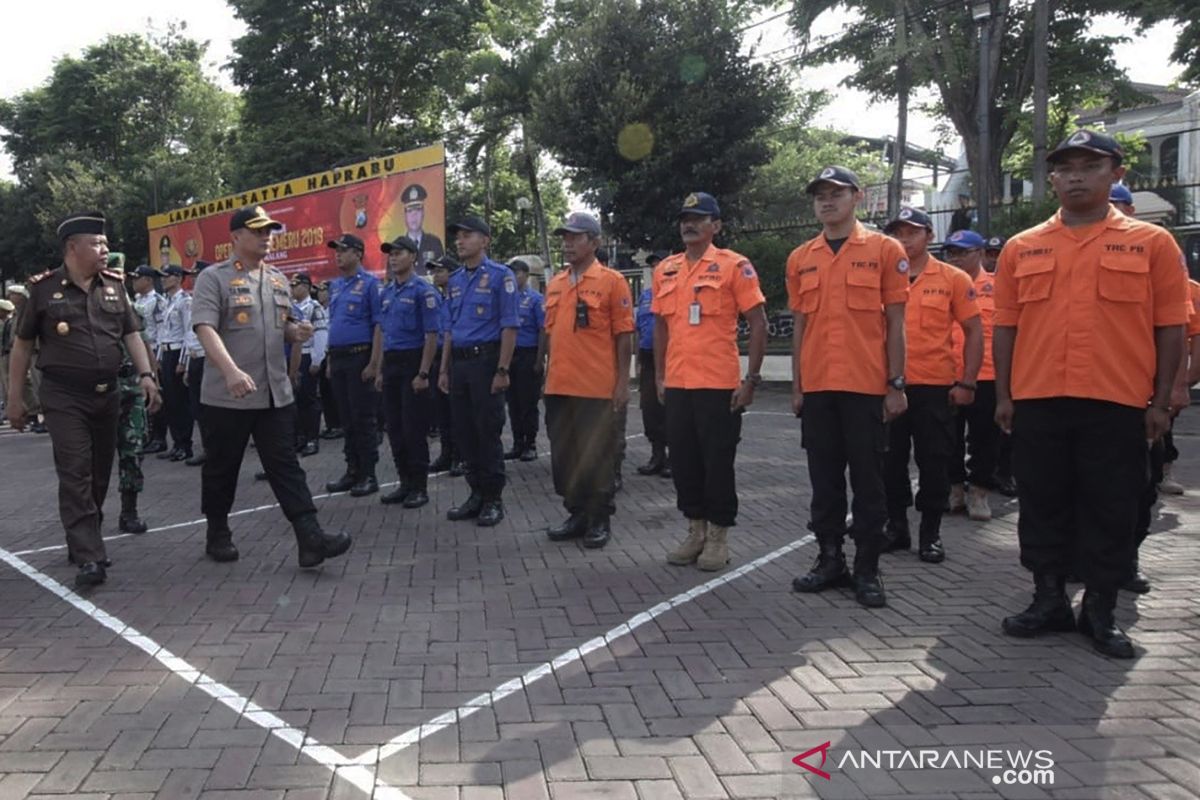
column 539, row 211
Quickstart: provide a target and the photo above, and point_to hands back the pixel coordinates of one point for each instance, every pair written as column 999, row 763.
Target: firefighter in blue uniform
column 476, row 359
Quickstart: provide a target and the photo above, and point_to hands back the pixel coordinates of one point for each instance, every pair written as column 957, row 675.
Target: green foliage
column 647, row 101
column 132, row 126
column 1186, row 15
column 769, row 253
column 468, row 193
column 330, row 82
column 1016, row 217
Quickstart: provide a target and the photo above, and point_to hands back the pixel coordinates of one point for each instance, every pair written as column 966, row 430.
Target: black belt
column 520, row 349
column 81, row 382
column 405, row 353
column 349, row 350
column 485, row 349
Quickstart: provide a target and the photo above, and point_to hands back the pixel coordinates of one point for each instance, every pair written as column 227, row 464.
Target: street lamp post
column 981, row 12
column 523, row 205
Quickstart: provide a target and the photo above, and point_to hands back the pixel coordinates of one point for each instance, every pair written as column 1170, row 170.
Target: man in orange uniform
column 589, row 316
column 1090, row 314
column 941, row 298
column 698, row 295
column 965, row 249
column 847, row 288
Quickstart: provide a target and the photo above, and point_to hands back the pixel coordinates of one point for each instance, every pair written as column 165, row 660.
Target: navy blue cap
column 349, row 241
column 445, row 262
column 174, row 270
column 910, row 216
column 655, row 257
column 146, row 271
column 301, row 277
column 517, row 265
column 200, row 265
column 402, row 242
column 1089, row 141
column 965, row 240
column 700, row 204
column 839, row 176
column 996, row 243
column 476, row 224
column 1119, row 193
column 579, row 222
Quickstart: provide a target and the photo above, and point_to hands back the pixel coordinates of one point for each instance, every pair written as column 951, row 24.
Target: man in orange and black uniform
column 847, row 288
column 697, row 296
column 1090, row 314
column 941, row 298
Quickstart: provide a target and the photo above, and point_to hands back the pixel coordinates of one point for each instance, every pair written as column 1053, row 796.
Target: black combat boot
column 658, row 460
column 1049, row 611
column 868, row 584
column 1138, row 583
column 1096, row 621
column 314, row 544
column 128, row 522
column 468, row 510
column 827, row 571
column 344, row 483
column 930, row 548
column 219, row 541
column 896, row 534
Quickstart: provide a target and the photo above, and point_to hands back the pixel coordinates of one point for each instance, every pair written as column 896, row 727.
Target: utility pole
column 900, row 146
column 1041, row 89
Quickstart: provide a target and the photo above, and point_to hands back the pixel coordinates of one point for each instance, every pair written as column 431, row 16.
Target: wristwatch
column 897, row 383
column 502, row 371
column 754, row 380
column 423, row 376
column 149, row 375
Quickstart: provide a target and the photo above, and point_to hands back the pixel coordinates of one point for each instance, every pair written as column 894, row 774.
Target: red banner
column 375, row 200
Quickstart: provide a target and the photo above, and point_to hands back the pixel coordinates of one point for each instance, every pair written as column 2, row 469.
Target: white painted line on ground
column 475, row 704
column 244, row 511
column 348, row 769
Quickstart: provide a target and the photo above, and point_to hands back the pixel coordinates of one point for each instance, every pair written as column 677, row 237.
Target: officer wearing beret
column 354, row 357
column 475, row 362
column 242, row 316
column 80, row 315
column 409, row 322
column 429, row 247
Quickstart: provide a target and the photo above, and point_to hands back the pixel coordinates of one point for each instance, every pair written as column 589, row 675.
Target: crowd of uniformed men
column 1054, row 361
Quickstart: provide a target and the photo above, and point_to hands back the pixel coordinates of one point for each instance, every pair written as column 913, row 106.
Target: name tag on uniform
column 694, row 314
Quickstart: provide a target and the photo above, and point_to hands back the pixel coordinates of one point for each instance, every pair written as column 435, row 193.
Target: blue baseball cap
column 965, row 240
column 700, row 204
column 910, row 216
column 1119, row 193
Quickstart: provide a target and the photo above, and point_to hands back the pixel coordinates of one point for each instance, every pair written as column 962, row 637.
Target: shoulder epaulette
column 41, row 276
column 112, row 273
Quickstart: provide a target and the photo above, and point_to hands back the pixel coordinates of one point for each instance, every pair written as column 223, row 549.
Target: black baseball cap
column 579, row 222
column 254, row 218
column 910, row 216
column 838, row 176
column 995, row 243
column 1091, row 142
column 302, row 277
column 349, row 241
column 402, row 242
column 146, row 271
column 476, row 224
column 445, row 262
column 700, row 204
column 655, row 257
column 174, row 270
column 517, row 265
column 200, row 265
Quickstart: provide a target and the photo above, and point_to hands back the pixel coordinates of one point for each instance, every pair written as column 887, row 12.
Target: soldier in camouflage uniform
column 132, row 427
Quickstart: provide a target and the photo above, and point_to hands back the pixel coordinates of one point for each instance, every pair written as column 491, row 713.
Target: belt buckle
column 101, row 388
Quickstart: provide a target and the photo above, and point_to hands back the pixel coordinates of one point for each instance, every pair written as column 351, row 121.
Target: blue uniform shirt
column 531, row 309
column 645, row 321
column 353, row 309
column 443, row 315
column 408, row 311
column 482, row 302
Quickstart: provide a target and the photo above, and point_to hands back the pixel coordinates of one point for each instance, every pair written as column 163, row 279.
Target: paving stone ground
column 709, row 699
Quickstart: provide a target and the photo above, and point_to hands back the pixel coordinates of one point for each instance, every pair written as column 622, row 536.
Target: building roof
column 1157, row 96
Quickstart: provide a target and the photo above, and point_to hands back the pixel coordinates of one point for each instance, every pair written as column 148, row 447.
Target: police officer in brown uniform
column 80, row 315
column 241, row 312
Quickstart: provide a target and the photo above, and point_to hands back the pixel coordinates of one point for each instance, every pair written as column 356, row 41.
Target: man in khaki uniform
column 241, row 313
